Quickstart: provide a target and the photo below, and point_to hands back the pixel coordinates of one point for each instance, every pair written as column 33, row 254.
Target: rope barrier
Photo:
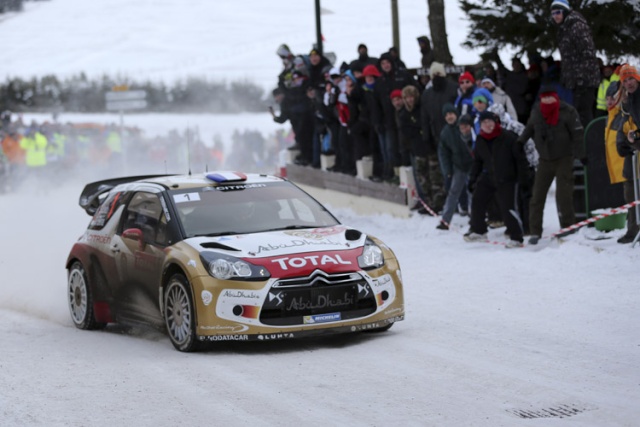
column 588, row 221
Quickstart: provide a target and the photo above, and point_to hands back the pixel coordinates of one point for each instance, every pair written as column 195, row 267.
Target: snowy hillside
column 222, row 39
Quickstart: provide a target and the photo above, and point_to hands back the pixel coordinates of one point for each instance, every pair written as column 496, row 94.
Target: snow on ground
column 489, row 334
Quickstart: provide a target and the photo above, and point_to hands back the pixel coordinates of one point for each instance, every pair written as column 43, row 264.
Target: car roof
column 90, row 198
column 207, row 179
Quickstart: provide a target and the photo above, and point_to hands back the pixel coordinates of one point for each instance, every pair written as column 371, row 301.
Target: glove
column 471, row 186
column 584, row 161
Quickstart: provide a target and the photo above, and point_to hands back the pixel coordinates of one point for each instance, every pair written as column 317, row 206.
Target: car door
column 139, row 245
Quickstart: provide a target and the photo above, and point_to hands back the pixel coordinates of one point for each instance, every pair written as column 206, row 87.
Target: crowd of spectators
column 49, row 153
column 505, row 133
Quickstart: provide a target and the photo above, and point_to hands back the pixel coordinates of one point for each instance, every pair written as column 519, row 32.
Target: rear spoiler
column 90, row 198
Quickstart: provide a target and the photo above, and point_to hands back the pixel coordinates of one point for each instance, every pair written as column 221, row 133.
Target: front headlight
column 227, row 267
column 371, row 256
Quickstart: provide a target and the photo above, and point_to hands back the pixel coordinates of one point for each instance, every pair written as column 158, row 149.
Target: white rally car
column 226, row 256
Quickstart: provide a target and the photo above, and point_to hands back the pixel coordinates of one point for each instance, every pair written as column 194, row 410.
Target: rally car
column 226, row 256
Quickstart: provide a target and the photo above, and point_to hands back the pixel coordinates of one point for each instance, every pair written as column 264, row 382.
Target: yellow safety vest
column 35, row 147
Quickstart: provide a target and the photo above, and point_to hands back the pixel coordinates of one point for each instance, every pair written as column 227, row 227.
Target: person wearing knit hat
column 629, row 72
column 488, row 115
column 464, row 101
column 370, row 74
column 465, row 119
column 371, row 70
column 440, row 91
column 560, row 5
column 437, row 69
column 397, row 93
column 427, row 53
column 627, row 142
column 580, row 69
column 385, row 123
column 482, row 100
column 608, row 77
column 500, row 97
column 630, row 80
column 615, row 162
column 363, row 56
column 630, row 98
column 413, row 150
column 449, row 108
column 466, row 76
column 558, row 135
column 499, row 169
column 454, row 154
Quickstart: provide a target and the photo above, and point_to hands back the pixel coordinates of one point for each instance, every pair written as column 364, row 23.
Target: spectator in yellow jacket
column 608, row 77
column 35, row 145
column 615, row 162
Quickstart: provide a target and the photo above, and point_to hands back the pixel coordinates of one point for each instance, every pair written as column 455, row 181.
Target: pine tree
column 526, row 25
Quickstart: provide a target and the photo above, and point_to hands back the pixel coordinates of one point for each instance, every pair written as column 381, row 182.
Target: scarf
column 550, row 112
column 497, row 131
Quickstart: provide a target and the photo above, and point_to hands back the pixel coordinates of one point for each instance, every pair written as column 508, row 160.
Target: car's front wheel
column 179, row 314
column 80, row 299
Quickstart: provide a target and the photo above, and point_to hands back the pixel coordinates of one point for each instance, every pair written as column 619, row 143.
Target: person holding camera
column 628, row 140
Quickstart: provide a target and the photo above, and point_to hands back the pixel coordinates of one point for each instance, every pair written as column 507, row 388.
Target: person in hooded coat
column 500, row 97
column 427, row 56
column 580, row 70
column 412, row 131
column 499, row 166
column 464, row 101
column 384, row 115
column 558, row 135
column 455, row 158
column 627, row 140
column 442, row 91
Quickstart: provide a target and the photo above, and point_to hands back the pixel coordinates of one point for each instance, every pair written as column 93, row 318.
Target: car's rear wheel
column 179, row 314
column 80, row 299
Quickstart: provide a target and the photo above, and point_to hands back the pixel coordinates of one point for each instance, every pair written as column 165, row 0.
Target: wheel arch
column 171, row 269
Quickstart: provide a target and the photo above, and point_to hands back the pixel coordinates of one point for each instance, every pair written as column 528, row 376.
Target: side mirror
column 134, row 234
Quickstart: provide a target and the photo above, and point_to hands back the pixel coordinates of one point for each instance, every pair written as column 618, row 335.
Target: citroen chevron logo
column 273, row 296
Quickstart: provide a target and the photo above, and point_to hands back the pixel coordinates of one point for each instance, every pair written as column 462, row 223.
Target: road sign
column 126, row 100
column 134, row 104
column 127, row 95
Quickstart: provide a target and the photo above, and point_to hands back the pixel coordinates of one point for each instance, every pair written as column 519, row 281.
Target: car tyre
column 80, row 298
column 179, row 314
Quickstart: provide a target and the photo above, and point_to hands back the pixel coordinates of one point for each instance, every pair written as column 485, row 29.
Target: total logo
column 301, row 262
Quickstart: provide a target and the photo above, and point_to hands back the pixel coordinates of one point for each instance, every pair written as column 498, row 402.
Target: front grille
column 344, row 296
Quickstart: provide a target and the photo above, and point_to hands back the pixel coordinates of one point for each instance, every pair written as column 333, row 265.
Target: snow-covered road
column 491, row 335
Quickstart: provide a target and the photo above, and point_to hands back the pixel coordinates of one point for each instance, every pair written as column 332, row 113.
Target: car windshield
column 251, row 208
